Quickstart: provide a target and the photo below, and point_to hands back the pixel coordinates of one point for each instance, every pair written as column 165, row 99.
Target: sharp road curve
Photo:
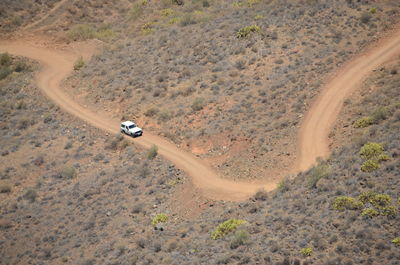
column 313, row 136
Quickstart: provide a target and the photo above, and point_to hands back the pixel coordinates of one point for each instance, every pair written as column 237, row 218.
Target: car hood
column 135, row 129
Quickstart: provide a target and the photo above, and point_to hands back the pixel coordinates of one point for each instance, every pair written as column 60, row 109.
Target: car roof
column 128, row 123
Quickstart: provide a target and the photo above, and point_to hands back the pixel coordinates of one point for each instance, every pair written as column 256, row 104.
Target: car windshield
column 131, row 126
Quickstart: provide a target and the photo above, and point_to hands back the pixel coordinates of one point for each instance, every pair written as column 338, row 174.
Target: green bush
column 152, row 153
column 381, row 200
column 383, row 157
column 371, row 150
column 370, row 212
column 246, row 31
column 81, row 32
column 370, row 165
column 367, row 197
column 321, row 170
column 306, row 252
column 364, row 122
column 396, row 241
column 226, row 227
column 159, row 218
column 342, row 203
column 79, row 63
column 389, row 211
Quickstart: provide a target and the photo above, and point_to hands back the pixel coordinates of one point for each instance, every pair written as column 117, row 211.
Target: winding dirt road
column 313, row 140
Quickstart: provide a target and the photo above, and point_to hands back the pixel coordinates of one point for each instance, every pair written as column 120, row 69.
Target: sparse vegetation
column 152, row 153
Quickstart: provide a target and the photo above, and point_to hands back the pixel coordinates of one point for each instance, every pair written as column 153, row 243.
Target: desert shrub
column 198, row 104
column 24, row 122
column 373, row 10
column 370, row 165
column 147, row 28
column 261, row 195
column 47, row 118
column 115, row 143
column 5, row 188
column 68, row 173
column 246, row 31
column 104, row 34
column 306, row 252
column 178, row 2
column 21, row 66
column 381, row 200
column 167, row 12
column 365, row 17
column 383, row 157
column 151, row 112
column 321, row 170
column 226, row 227
column 187, row 19
column 159, row 218
column 137, row 10
column 239, row 239
column 371, row 150
column 396, row 241
column 367, row 197
column 390, row 211
column 165, row 115
column 283, row 185
column 370, row 212
column 342, row 203
column 5, row 59
column 79, row 63
column 364, row 122
column 81, row 32
column 152, row 153
column 30, row 195
column 4, row 72
column 380, row 113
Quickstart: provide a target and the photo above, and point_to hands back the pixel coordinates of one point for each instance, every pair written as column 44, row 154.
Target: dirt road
column 319, row 120
column 58, row 64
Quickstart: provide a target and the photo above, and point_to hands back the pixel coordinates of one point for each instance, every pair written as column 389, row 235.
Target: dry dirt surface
column 58, row 64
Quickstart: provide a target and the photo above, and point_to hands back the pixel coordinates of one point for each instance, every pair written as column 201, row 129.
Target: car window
column 132, row 126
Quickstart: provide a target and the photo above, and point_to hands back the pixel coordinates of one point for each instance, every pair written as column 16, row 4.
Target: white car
column 131, row 129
